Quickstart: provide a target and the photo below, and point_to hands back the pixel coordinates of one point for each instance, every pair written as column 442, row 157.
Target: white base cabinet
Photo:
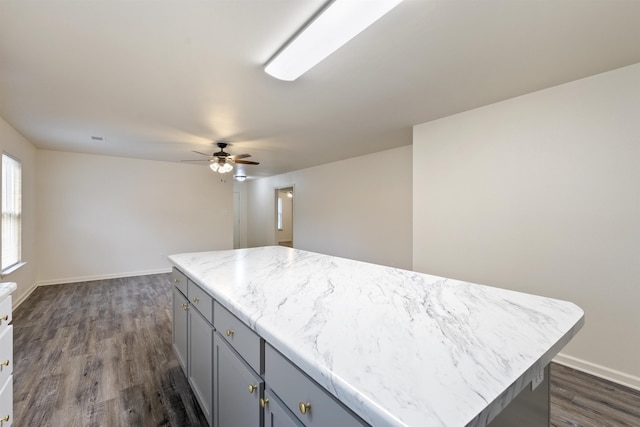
column 6, row 403
column 6, row 355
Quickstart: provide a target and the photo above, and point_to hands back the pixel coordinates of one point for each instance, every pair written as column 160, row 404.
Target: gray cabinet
column 201, row 361
column 275, row 413
column 193, row 338
column 228, row 365
column 180, row 328
column 237, row 390
column 310, row 403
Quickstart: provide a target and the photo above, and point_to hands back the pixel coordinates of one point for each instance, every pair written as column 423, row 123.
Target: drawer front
column 275, row 413
column 200, row 300
column 179, row 280
column 296, row 389
column 246, row 342
column 6, row 402
column 5, row 311
column 6, row 354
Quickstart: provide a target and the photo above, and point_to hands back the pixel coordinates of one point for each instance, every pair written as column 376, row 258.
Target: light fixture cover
column 336, row 25
column 221, row 167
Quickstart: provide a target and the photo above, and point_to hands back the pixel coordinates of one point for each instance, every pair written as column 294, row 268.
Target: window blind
column 11, row 211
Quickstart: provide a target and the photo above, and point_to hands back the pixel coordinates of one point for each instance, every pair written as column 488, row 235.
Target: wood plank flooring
column 580, row 399
column 99, row 354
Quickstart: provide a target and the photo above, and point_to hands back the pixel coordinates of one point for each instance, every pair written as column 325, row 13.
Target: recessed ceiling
column 157, row 79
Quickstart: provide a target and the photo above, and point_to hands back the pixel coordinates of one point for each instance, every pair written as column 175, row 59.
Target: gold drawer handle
column 185, row 307
column 5, row 318
column 196, row 299
column 176, row 280
column 229, row 332
column 4, row 419
column 264, row 402
column 252, row 388
column 304, row 407
column 5, row 363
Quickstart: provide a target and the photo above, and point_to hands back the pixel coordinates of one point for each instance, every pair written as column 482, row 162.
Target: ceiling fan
column 221, row 161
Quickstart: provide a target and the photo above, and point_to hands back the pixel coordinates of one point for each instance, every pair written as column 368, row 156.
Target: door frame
column 292, row 188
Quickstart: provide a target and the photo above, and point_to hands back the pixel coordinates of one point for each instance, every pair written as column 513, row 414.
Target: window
column 11, row 212
column 279, row 213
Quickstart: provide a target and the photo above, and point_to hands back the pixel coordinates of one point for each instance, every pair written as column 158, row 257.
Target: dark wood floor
column 579, row 399
column 99, row 354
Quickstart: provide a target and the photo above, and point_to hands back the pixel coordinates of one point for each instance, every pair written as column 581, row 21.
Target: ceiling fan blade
column 198, row 152
column 240, row 156
column 195, row 160
column 246, row 162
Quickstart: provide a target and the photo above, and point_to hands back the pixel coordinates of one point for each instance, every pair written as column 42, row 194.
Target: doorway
column 284, row 216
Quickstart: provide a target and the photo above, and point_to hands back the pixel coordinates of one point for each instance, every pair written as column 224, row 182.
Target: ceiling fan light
column 338, row 23
column 227, row 167
column 214, row 166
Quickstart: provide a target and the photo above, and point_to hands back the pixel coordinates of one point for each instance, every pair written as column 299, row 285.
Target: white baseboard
column 101, row 277
column 17, row 302
column 599, row 371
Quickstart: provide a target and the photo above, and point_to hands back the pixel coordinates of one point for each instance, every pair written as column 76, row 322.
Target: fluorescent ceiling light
column 338, row 23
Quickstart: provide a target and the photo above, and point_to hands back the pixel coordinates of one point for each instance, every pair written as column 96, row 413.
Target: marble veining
column 397, row 347
column 6, row 289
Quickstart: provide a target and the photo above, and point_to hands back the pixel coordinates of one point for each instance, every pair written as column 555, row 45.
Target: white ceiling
column 160, row 78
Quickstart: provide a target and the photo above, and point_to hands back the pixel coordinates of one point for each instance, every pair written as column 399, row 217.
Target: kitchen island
column 395, row 347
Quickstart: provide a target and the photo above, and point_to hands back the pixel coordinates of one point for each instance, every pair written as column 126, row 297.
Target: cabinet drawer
column 5, row 310
column 201, row 300
column 179, row 280
column 6, row 402
column 6, row 354
column 296, row 389
column 246, row 342
column 275, row 413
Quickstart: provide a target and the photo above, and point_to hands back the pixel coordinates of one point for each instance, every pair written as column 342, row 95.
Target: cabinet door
column 180, row 335
column 201, row 361
column 6, row 403
column 275, row 414
column 237, row 389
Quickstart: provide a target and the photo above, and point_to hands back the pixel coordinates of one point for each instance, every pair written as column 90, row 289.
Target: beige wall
column 103, row 216
column 541, row 194
column 11, row 142
column 349, row 208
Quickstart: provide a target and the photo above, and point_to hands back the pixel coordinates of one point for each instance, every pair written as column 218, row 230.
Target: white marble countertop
column 7, row 288
column 397, row 347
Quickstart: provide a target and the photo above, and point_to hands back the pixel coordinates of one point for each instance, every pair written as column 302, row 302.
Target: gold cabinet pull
column 185, row 307
column 229, row 332
column 4, row 419
column 5, row 318
column 196, row 299
column 252, row 388
column 264, row 402
column 176, row 280
column 5, row 363
column 304, row 407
